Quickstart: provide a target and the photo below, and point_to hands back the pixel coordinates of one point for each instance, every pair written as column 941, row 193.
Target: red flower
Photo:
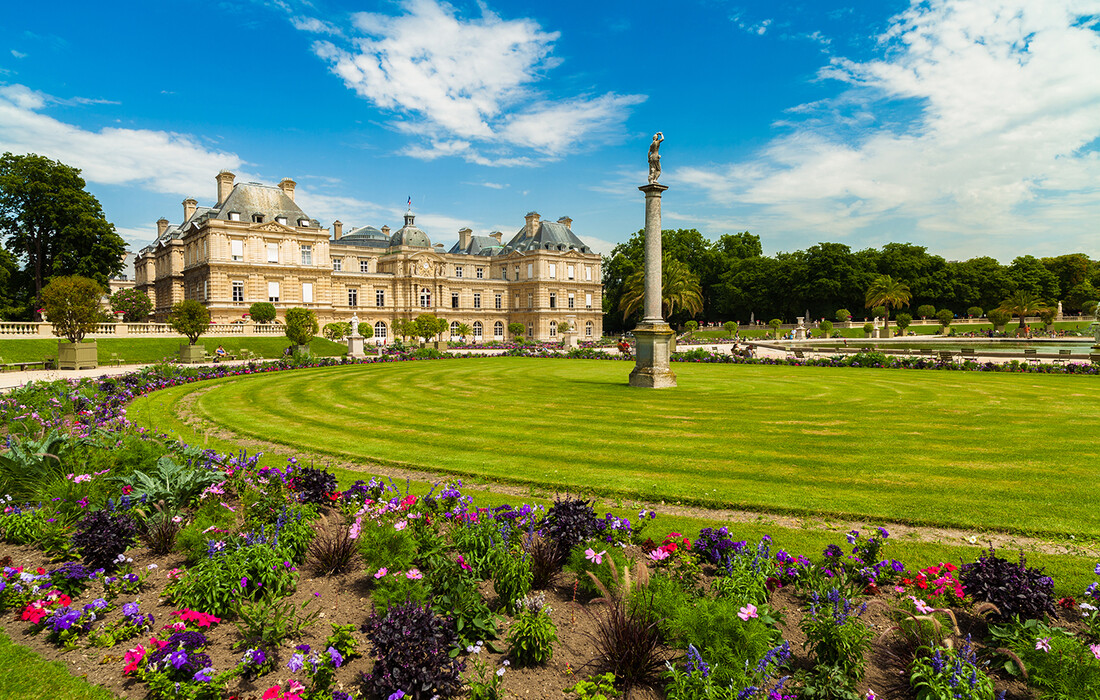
column 127, row 490
column 40, row 571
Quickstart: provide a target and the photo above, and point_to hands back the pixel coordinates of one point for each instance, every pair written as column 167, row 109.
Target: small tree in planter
column 1047, row 316
column 903, row 321
column 945, row 317
column 72, row 305
column 731, row 327
column 975, row 312
column 428, row 326
column 826, row 328
column 262, row 312
column 999, row 319
column 926, row 310
column 843, row 315
column 868, row 329
column 301, row 326
column 464, row 330
column 516, row 329
column 691, row 327
column 134, row 305
column 192, row 319
column 774, row 324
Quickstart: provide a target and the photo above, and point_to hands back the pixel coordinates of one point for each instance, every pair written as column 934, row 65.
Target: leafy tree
column 366, row 330
column 731, row 327
column 826, row 328
column 563, row 327
column 774, row 324
column 903, row 320
column 262, row 312
column 887, row 292
column 53, row 225
column 843, row 315
column 516, row 329
column 190, row 318
column 72, row 305
column 464, row 330
column 680, row 290
column 134, row 305
column 868, row 329
column 975, row 312
column 427, row 326
column 1033, row 277
column 1023, row 304
column 999, row 318
column 1077, row 295
column 945, row 317
column 691, row 326
column 1048, row 315
column 926, row 310
column 1070, row 271
column 403, row 328
column 1091, row 308
column 337, row 330
column 301, row 325
column 879, row 312
column 12, row 301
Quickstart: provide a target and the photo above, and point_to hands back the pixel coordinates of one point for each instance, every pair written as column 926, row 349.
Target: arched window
column 425, row 298
column 588, row 329
column 477, row 329
column 553, row 329
column 380, row 330
column 498, row 329
column 454, row 329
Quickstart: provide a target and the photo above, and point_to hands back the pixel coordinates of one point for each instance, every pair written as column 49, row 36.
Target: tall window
column 454, row 329
column 477, row 300
column 337, row 264
column 273, row 252
column 571, row 301
column 504, row 273
column 498, row 329
column 553, row 300
column 530, row 300
column 379, row 297
column 477, row 330
column 307, row 255
column 454, row 300
column 307, row 292
column 380, row 330
column 530, row 270
column 517, row 273
column 481, row 273
column 364, row 264
column 425, row 298
column 587, row 273
column 353, row 297
column 553, row 271
column 530, row 330
column 497, row 301
column 588, row 301
column 206, row 289
column 571, row 271
column 273, row 291
column 458, row 270
column 588, row 329
column 280, row 220
column 553, row 329
column 238, row 291
column 236, row 249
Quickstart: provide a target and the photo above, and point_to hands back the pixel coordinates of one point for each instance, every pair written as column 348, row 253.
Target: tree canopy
column 52, row 226
column 72, row 306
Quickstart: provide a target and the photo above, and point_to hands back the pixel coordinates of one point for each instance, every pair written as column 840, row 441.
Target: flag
column 410, row 202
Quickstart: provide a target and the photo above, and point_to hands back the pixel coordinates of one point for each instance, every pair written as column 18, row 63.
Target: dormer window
column 303, row 222
column 280, row 220
column 234, row 216
column 257, row 218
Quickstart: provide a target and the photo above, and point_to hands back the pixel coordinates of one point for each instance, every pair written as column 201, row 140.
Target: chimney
column 225, row 186
column 162, row 226
column 567, row 221
column 496, row 235
column 386, row 230
column 532, row 223
column 189, row 205
column 287, row 186
column 464, row 236
column 337, row 229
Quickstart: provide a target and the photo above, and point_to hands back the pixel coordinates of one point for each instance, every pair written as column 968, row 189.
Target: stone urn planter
column 77, row 355
column 192, row 354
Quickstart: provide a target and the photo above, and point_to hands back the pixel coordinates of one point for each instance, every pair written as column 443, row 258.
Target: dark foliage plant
column 628, row 644
column 314, row 485
column 1016, row 590
column 544, row 559
column 411, row 645
column 101, row 536
column 160, row 533
column 332, row 551
column 568, row 523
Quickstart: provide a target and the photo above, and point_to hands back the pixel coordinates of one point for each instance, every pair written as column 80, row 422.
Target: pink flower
column 747, row 612
column 356, row 527
column 922, row 607
column 1043, row 644
column 1095, row 649
column 593, row 556
column 414, row 575
column 400, row 525
column 658, row 554
column 462, row 563
column 381, row 572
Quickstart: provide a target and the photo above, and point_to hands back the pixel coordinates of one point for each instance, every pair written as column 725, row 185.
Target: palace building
column 256, row 244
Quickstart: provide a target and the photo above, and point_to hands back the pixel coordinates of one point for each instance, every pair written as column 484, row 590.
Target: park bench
column 1064, row 356
column 927, row 352
column 945, row 356
column 1030, row 355
column 19, row 366
column 115, row 360
column 968, row 354
column 211, row 357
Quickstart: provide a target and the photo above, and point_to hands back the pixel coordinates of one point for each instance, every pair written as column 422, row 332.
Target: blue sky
column 968, row 126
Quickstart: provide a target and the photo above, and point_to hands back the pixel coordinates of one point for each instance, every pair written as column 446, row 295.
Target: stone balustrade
column 13, row 329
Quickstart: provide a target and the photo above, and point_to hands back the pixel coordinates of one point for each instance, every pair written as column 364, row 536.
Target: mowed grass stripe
column 964, row 449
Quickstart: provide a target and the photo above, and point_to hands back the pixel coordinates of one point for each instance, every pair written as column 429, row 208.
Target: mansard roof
column 250, row 198
column 478, row 245
column 551, row 235
column 364, row 237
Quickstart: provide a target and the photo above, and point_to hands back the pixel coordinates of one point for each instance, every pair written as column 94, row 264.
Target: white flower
column 500, row 671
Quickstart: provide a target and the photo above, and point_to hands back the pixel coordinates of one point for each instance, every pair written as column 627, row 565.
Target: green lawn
column 760, row 332
column 966, row 449
column 149, row 350
column 28, row 676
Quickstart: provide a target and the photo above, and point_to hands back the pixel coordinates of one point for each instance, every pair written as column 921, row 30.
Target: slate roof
column 479, row 245
column 364, row 237
column 410, row 235
column 551, row 235
column 248, row 198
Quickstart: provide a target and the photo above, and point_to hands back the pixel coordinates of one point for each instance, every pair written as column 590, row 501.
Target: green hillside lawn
column 150, row 350
column 760, row 332
column 964, row 449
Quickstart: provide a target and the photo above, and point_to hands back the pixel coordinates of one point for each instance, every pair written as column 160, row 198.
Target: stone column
column 652, row 336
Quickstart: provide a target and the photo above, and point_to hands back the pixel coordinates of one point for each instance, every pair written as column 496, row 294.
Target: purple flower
column 337, row 659
column 178, row 658
column 296, row 662
column 203, row 675
column 397, row 696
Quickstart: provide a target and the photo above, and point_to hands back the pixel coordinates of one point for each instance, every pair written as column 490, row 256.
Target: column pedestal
column 355, row 346
column 653, row 348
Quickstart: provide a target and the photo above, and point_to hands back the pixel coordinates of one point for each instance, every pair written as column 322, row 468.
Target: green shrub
column 533, row 633
column 190, row 318
column 843, row 315
column 836, row 634
column 975, row 312
column 134, row 305
column 945, row 317
column 926, row 311
column 301, row 325
column 511, row 575
column 72, row 305
column 262, row 312
column 216, row 583
column 172, row 483
column 868, row 329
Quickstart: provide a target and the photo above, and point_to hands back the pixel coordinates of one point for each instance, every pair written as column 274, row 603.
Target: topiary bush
column 102, row 536
column 412, row 649
column 313, row 485
column 568, row 523
column 1016, row 590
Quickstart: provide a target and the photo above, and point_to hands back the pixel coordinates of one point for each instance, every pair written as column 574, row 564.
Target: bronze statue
column 655, row 158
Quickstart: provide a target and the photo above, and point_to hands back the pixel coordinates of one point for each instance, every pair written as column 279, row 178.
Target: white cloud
column 1004, row 100
column 315, row 26
column 490, row 185
column 157, row 160
column 463, row 84
column 18, row 54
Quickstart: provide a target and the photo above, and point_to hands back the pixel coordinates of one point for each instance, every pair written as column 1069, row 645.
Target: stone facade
column 256, row 244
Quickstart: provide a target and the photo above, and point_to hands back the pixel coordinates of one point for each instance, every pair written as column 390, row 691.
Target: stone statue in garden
column 355, row 324
column 655, row 158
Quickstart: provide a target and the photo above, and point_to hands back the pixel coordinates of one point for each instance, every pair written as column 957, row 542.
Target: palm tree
column 464, row 329
column 886, row 291
column 680, row 290
column 1022, row 304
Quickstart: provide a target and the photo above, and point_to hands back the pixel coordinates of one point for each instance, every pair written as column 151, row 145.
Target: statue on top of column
column 655, row 158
